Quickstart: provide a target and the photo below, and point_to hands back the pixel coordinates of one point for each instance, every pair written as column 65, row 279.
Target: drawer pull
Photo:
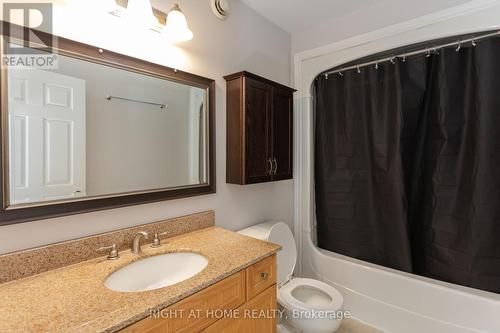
column 270, row 162
column 264, row 275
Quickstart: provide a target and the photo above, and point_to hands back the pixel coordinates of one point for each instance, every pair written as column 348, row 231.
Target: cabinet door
column 282, row 134
column 192, row 314
column 258, row 105
column 257, row 315
column 261, row 276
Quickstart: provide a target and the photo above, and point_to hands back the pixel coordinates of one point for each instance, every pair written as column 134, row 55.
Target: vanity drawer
column 261, row 276
column 224, row 295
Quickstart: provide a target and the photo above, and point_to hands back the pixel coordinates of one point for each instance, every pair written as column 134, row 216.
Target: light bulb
column 108, row 5
column 176, row 28
column 140, row 14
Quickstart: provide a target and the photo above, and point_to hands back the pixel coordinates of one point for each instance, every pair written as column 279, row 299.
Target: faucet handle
column 157, row 241
column 113, row 254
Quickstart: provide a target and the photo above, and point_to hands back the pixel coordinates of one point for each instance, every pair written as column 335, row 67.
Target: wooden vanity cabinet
column 259, row 137
column 265, row 301
column 252, row 290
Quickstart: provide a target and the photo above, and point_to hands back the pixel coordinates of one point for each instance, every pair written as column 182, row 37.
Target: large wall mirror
column 100, row 130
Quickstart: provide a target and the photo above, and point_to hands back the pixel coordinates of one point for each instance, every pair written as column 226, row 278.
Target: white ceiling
column 298, row 15
column 295, row 15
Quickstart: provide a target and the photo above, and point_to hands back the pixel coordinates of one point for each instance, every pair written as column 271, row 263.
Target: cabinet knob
column 264, row 275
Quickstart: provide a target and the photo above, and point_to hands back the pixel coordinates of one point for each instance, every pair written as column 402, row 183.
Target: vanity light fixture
column 140, row 14
column 176, row 28
column 110, row 6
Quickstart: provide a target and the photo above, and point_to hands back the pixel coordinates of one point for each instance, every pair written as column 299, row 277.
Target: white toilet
column 311, row 306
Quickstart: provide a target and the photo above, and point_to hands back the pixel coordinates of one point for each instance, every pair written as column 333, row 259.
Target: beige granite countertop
column 74, row 298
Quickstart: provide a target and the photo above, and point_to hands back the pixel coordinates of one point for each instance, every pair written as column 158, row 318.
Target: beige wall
column 244, row 41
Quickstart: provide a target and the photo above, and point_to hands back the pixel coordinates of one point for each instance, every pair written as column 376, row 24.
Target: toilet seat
column 287, row 299
column 309, row 305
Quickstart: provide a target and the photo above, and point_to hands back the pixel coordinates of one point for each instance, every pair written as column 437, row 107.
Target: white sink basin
column 156, row 272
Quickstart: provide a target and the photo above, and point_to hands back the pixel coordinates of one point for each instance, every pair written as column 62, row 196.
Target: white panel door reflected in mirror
column 86, row 130
column 47, row 116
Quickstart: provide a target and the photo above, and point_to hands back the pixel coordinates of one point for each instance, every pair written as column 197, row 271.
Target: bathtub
column 399, row 302
column 390, row 300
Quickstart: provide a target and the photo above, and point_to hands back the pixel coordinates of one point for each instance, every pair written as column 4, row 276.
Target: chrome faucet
column 136, row 246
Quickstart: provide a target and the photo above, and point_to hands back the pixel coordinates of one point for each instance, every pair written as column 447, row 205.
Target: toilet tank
column 278, row 233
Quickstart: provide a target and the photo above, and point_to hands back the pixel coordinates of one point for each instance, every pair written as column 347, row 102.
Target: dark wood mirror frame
column 97, row 55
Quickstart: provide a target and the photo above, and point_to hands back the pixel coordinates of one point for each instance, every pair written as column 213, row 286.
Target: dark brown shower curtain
column 407, row 164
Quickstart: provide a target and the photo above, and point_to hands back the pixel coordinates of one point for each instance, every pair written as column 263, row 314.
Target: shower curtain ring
column 474, row 43
column 393, row 61
column 428, row 53
column 359, row 70
column 341, row 74
column 458, row 47
column 404, row 57
column 326, row 76
column 376, row 65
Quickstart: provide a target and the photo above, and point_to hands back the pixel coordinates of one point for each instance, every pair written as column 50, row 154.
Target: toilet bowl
column 309, row 305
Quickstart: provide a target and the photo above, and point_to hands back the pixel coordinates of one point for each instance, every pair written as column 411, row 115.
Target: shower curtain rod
column 427, row 50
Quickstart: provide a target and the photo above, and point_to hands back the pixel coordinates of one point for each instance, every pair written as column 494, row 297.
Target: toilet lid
column 287, row 257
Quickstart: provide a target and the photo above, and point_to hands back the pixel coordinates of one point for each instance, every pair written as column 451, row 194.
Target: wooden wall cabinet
column 259, row 137
column 250, row 290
